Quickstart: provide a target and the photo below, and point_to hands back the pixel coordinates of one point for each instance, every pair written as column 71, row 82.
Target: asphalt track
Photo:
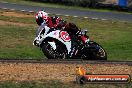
column 69, row 12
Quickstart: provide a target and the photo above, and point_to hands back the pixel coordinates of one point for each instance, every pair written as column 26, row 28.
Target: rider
column 57, row 22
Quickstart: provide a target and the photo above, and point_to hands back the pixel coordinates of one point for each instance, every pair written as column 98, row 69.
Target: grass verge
column 114, row 36
column 57, row 84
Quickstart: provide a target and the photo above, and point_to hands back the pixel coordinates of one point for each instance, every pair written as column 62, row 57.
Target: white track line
column 4, row 8
column 95, row 18
column 30, row 11
column 4, row 2
column 67, row 15
column 86, row 17
column 23, row 10
column 56, row 14
column 75, row 16
column 103, row 19
column 13, row 9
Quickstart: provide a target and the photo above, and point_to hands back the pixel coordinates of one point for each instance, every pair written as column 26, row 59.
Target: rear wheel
column 50, row 53
column 100, row 54
column 97, row 52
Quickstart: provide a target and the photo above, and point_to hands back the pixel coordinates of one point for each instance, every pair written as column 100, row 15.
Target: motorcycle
column 59, row 44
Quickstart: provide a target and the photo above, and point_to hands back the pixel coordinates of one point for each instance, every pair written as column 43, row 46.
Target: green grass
column 17, row 43
column 57, row 84
column 15, row 19
column 26, row 2
column 114, row 36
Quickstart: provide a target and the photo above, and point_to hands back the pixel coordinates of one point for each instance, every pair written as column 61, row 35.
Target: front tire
column 50, row 53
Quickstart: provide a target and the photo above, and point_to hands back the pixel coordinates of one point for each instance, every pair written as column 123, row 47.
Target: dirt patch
column 16, row 14
column 2, row 23
column 62, row 72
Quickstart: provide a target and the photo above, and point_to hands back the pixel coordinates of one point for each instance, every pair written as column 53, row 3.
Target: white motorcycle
column 58, row 44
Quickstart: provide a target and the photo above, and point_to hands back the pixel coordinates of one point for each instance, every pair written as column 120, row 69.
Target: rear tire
column 101, row 54
column 97, row 52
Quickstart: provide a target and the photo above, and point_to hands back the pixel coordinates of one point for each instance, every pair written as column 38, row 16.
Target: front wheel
column 51, row 53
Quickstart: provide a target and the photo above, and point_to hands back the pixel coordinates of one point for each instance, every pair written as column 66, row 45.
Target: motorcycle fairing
column 56, row 35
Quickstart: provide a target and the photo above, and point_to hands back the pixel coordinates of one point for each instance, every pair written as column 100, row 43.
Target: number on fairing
column 65, row 36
